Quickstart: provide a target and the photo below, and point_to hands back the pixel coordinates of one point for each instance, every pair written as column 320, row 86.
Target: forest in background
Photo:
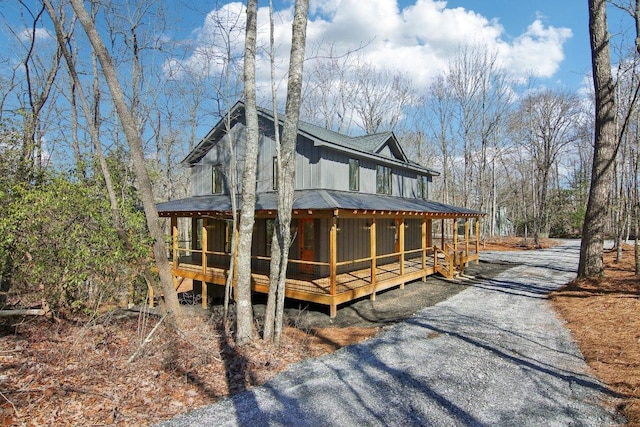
column 520, row 152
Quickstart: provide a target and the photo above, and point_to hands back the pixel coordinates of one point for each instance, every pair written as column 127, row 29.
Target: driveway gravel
column 493, row 354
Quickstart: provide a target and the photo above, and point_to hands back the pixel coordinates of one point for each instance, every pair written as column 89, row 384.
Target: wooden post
column 478, row 239
column 372, row 245
column 174, row 240
column 401, row 244
column 205, row 246
column 333, row 255
column 423, row 243
column 466, row 242
column 442, row 233
column 454, row 227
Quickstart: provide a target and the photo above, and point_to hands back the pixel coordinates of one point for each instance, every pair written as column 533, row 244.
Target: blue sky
column 544, row 39
column 516, row 16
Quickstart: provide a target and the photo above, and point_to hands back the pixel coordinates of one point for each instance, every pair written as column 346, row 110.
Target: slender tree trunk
column 134, row 140
column 270, row 312
column 605, row 147
column 286, row 173
column 244, row 320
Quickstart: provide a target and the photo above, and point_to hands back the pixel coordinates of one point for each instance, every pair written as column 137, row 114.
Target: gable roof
column 368, row 146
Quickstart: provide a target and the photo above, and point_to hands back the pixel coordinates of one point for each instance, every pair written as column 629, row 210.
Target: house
column 362, row 218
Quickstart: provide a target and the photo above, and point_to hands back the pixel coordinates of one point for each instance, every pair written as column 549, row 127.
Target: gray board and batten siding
column 322, row 160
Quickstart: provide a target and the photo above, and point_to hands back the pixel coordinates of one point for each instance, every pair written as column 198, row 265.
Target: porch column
column 205, row 246
column 442, row 234
column 372, row 245
column 423, row 244
column 454, row 227
column 174, row 240
column 466, row 242
column 333, row 257
column 401, row 244
column 478, row 239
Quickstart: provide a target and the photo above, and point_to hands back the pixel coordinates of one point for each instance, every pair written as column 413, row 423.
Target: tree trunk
column 286, row 172
column 605, row 147
column 134, row 140
column 270, row 312
column 244, row 320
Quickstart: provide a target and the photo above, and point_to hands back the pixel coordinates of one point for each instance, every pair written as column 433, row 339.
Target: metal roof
column 316, row 200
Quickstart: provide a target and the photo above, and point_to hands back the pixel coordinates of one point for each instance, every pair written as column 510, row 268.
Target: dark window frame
column 217, row 181
column 384, row 179
column 275, row 173
column 354, row 175
column 423, row 186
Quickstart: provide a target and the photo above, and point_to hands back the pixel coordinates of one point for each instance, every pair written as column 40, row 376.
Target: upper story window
column 423, row 186
column 216, row 180
column 383, row 179
column 354, row 175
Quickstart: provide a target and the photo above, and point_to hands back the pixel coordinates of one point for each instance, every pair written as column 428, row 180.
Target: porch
column 399, row 249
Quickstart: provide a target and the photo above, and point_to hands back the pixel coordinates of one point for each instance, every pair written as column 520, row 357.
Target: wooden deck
column 307, row 287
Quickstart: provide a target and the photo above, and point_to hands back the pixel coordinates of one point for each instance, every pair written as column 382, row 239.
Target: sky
column 546, row 40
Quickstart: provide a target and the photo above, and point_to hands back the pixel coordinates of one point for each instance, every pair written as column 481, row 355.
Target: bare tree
column 605, row 144
column 286, row 172
column 380, row 98
column 439, row 113
column 547, row 123
column 39, row 80
column 132, row 133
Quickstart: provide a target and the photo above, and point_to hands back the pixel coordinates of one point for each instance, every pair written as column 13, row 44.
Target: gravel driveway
column 493, row 354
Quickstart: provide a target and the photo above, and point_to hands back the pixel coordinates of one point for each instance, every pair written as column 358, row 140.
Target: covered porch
column 338, row 255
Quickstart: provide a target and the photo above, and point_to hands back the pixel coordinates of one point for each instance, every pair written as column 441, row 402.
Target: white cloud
column 418, row 39
column 41, row 34
column 539, row 50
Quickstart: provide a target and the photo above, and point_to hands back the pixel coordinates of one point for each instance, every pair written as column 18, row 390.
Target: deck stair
column 449, row 262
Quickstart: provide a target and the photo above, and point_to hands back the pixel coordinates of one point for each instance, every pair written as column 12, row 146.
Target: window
column 216, row 180
column 275, row 173
column 269, row 223
column 354, row 175
column 423, row 186
column 383, row 180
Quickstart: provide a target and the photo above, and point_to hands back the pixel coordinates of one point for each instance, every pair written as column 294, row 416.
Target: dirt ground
column 603, row 316
column 77, row 372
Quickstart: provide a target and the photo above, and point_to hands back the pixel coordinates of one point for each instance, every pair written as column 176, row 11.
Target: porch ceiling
column 318, row 200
